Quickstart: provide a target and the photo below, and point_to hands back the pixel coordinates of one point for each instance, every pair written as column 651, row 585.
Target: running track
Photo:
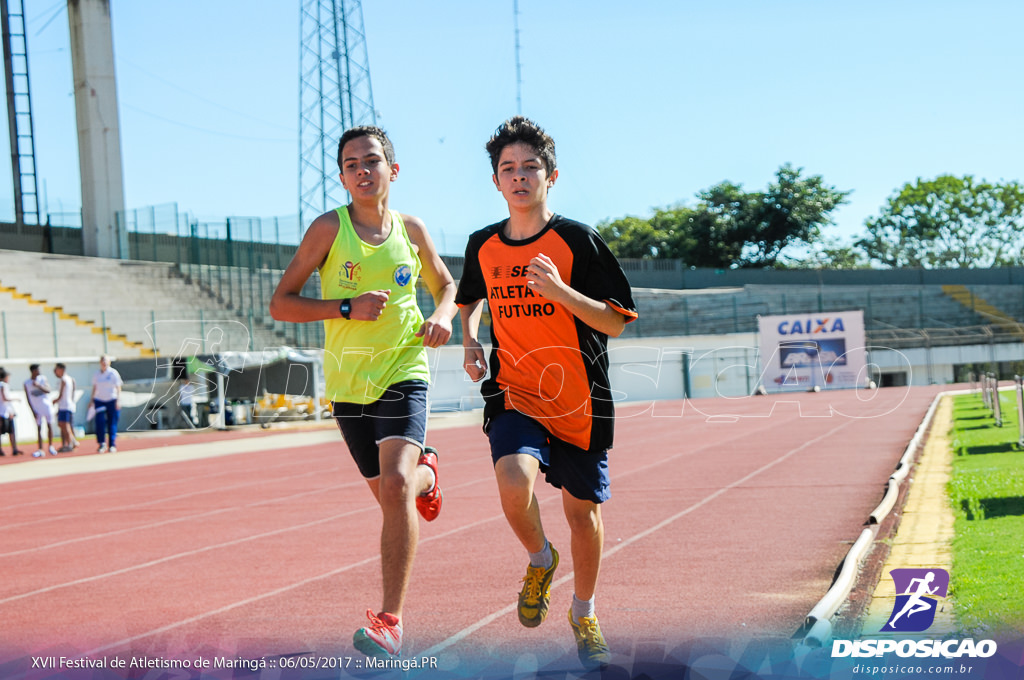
column 728, row 518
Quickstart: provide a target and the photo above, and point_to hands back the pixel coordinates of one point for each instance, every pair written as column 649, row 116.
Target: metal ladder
column 19, row 112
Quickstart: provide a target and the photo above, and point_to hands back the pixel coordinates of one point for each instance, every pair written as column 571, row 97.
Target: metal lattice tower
column 334, row 95
column 19, row 112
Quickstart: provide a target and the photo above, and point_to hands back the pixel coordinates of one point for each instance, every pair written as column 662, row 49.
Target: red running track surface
column 728, row 518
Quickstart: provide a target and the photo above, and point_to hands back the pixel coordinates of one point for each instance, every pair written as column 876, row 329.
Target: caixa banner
column 812, row 352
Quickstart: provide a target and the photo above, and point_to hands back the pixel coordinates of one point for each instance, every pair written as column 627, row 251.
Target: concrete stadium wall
column 659, row 370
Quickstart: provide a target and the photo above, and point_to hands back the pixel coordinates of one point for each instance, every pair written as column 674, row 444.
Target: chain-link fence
column 238, row 262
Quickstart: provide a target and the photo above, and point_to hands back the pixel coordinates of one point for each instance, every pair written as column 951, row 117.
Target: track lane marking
column 186, row 518
column 127, row 460
column 217, row 546
column 469, row 630
column 165, row 499
column 376, row 558
column 506, row 610
column 283, row 589
column 35, row 493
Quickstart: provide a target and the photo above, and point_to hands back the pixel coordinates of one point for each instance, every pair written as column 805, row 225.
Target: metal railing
column 238, row 262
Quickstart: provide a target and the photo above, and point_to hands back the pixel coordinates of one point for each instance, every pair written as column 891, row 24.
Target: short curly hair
column 522, row 129
column 366, row 131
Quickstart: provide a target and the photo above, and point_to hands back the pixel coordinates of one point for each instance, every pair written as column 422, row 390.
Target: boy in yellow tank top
column 375, row 359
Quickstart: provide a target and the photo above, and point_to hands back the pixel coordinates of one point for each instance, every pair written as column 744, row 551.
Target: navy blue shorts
column 583, row 474
column 401, row 413
column 65, row 416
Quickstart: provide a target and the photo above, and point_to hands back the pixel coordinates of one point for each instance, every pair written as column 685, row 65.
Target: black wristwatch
column 345, row 308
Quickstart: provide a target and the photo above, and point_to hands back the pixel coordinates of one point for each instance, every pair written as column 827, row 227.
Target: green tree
column 793, row 210
column 829, row 253
column 634, row 237
column 729, row 227
column 949, row 222
column 718, row 229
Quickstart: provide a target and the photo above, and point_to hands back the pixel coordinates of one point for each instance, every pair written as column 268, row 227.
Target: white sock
column 544, row 558
column 581, row 608
column 433, row 479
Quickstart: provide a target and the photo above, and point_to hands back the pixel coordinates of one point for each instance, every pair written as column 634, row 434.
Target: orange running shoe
column 382, row 638
column 429, row 504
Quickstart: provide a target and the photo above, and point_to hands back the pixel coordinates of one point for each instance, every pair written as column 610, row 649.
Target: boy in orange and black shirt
column 555, row 294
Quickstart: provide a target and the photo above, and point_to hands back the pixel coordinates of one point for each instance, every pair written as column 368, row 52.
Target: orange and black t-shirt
column 545, row 362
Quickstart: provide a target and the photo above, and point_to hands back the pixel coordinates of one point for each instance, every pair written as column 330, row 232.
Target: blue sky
column 649, row 102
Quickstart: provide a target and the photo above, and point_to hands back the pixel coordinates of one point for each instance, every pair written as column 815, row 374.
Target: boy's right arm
column 287, row 303
column 475, row 362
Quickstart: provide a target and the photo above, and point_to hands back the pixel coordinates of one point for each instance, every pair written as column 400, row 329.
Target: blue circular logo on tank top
column 403, row 275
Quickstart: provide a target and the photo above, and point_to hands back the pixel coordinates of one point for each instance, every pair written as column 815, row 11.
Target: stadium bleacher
column 63, row 305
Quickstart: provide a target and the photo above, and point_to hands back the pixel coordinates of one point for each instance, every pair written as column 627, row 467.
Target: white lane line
column 169, row 499
column 265, row 441
column 486, row 620
column 217, row 546
column 335, row 572
column 125, row 460
column 282, row 590
column 466, row 632
column 178, row 556
column 79, row 495
column 162, row 483
column 184, row 518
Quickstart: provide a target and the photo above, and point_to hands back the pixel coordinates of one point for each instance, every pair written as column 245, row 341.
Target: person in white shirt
column 36, row 390
column 106, row 400
column 65, row 403
column 7, row 400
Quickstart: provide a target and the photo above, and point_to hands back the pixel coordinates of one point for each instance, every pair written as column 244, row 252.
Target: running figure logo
column 916, row 603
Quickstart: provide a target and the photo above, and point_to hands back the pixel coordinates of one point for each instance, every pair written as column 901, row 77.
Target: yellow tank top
column 363, row 358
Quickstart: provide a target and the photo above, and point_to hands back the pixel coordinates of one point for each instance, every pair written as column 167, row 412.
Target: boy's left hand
column 435, row 332
column 542, row 276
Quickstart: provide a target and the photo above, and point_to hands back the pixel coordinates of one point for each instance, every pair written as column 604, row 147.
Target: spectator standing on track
column 375, row 359
column 556, row 293
column 106, row 400
column 7, row 400
column 65, row 403
column 36, row 390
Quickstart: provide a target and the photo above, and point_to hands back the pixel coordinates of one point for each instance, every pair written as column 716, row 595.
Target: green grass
column 986, row 491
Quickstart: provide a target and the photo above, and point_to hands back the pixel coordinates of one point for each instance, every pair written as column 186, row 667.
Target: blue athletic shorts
column 583, row 474
column 65, row 416
column 400, row 414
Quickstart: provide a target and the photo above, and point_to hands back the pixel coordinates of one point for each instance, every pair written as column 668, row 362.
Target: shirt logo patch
column 403, row 275
column 349, row 275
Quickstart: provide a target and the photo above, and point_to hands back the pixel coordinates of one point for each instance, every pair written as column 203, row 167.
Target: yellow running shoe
column 536, row 593
column 590, row 645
